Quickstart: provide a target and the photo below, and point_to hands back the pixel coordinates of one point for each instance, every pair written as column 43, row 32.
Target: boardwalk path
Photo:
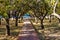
column 28, row 33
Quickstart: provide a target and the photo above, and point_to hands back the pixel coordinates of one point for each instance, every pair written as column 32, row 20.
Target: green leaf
column 5, row 15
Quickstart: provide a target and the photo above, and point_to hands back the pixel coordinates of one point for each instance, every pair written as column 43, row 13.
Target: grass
column 50, row 28
column 14, row 32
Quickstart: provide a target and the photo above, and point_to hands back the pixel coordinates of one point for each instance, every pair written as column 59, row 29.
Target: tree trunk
column 50, row 19
column 42, row 26
column 0, row 21
column 16, row 23
column 59, row 20
column 7, row 27
column 40, row 35
column 19, row 19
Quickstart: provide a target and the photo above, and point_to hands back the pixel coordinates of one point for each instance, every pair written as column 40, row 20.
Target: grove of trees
column 17, row 8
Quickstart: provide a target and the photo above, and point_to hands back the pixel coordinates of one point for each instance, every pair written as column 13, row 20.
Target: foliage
column 41, row 8
column 22, row 6
column 58, row 8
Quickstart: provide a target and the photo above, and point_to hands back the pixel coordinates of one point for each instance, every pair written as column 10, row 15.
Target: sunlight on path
column 27, row 32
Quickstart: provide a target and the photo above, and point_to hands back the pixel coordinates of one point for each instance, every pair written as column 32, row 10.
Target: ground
column 51, row 31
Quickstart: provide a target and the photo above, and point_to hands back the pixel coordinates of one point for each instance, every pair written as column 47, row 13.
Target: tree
column 53, row 4
column 18, row 10
column 41, row 9
column 5, row 11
